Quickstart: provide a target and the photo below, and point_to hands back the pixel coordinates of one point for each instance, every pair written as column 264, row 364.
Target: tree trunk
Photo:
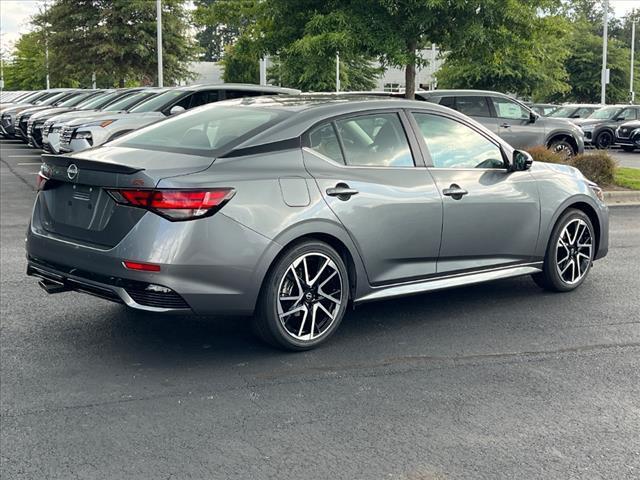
column 410, row 72
column 121, row 83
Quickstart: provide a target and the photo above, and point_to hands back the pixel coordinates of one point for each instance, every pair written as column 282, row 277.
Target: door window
column 454, row 145
column 473, row 106
column 627, row 114
column 323, row 139
column 375, row 140
column 506, row 108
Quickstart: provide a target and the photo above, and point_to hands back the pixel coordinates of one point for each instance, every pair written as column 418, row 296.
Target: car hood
column 131, row 118
column 631, row 124
column 63, row 117
column 583, row 122
column 50, row 112
column 17, row 109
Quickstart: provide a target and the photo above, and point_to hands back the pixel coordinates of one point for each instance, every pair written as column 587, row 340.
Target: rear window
column 203, row 130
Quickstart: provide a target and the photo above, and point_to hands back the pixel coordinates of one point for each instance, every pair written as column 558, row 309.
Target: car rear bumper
column 210, row 264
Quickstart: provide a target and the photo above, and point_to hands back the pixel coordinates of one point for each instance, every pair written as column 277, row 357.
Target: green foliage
column 116, row 39
column 213, row 38
column 241, row 62
column 628, row 178
column 27, row 71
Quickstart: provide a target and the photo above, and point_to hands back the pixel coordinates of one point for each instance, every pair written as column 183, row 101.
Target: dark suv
column 599, row 127
column 510, row 119
column 628, row 135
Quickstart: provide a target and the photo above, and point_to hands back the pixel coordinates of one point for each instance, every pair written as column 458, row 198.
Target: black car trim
column 62, row 161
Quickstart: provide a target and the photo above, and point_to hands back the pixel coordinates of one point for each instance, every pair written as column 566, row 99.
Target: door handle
column 505, row 125
column 455, row 192
column 342, row 191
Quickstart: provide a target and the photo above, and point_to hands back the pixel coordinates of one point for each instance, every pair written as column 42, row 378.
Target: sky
column 14, row 16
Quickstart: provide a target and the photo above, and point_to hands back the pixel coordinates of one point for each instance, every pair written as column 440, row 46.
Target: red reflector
column 40, row 181
column 145, row 267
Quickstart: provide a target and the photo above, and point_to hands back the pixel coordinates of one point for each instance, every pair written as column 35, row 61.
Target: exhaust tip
column 52, row 287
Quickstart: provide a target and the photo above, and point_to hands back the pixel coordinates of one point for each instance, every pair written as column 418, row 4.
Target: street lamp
column 603, row 74
column 633, row 46
column 159, row 33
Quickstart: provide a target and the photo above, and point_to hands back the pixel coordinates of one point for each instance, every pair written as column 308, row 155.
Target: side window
column 185, row 102
column 473, row 106
column 203, row 97
column 375, row 140
column 323, row 139
column 627, row 114
column 454, row 145
column 231, row 94
column 506, row 108
column 448, row 102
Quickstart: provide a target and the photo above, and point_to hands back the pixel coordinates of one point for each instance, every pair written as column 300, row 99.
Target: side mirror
column 575, row 116
column 532, row 117
column 176, row 109
column 620, row 119
column 521, row 161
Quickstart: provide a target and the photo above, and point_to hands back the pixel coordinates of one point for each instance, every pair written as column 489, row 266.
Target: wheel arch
column 584, row 204
column 561, row 135
column 327, row 232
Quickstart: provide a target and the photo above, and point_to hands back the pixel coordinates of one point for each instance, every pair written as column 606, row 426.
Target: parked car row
column 295, row 207
column 69, row 120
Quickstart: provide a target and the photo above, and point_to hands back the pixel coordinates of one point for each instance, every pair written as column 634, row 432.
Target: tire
column 604, row 140
column 628, row 148
column 562, row 147
column 297, row 310
column 566, row 266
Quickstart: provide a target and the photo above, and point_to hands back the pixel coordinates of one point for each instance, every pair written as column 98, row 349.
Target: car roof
column 461, row 92
column 239, row 86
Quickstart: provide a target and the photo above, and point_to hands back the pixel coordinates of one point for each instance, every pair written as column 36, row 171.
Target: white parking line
column 31, row 163
column 24, row 156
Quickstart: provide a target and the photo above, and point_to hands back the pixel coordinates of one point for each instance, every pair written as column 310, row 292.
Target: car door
column 372, row 177
column 515, row 125
column 491, row 216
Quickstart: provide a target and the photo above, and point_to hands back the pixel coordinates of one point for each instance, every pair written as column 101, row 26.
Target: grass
column 628, row 177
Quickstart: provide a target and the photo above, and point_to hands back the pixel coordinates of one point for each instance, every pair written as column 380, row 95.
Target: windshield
column 46, row 98
column 128, row 101
column 96, row 101
column 75, row 100
column 605, row 113
column 159, row 102
column 202, row 130
column 562, row 112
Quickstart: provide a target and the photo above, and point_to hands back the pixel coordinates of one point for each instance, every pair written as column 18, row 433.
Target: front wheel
column 604, row 140
column 304, row 297
column 563, row 148
column 569, row 253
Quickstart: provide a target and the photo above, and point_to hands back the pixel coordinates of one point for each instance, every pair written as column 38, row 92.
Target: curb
column 622, row 198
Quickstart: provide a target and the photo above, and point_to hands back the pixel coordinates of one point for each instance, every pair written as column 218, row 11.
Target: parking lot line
column 30, row 163
column 24, row 156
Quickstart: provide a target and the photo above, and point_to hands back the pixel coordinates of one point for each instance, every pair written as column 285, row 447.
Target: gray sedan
column 291, row 209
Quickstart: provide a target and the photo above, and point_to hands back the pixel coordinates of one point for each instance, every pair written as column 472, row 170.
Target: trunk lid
column 75, row 203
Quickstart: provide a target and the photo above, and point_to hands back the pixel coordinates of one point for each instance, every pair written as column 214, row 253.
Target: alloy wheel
column 574, row 251
column 309, row 296
column 605, row 139
column 563, row 149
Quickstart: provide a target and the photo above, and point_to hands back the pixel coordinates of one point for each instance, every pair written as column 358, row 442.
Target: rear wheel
column 604, row 140
column 304, row 297
column 569, row 254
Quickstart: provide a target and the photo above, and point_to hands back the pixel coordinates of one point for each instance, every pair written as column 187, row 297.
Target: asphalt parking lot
column 499, row 380
column 626, row 159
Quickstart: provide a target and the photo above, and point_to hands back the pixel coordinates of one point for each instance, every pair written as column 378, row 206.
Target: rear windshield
column 203, row 130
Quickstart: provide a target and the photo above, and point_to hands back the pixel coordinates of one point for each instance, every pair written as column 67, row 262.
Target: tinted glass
column 448, row 102
column 563, row 112
column 473, row 106
column 583, row 112
column 129, row 101
column 375, row 140
column 323, row 139
column 628, row 114
column 160, row 102
column 454, row 145
column 229, row 94
column 605, row 113
column 201, row 130
column 506, row 108
column 73, row 101
column 96, row 99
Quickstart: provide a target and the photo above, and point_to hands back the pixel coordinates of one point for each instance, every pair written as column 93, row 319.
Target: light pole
column 633, row 46
column 159, row 31
column 603, row 75
column 46, row 42
column 337, row 72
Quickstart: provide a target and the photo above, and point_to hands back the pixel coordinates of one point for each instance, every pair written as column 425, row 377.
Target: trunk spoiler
column 62, row 161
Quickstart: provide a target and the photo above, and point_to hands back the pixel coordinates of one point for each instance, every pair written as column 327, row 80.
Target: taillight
column 144, row 267
column 176, row 205
column 43, row 176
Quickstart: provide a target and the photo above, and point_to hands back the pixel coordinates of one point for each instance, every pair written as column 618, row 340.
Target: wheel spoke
column 322, row 307
column 304, row 320
column 566, row 267
column 313, row 321
column 575, row 277
column 315, row 279
column 301, row 308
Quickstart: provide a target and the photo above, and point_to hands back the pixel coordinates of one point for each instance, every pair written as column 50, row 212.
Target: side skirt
column 450, row 281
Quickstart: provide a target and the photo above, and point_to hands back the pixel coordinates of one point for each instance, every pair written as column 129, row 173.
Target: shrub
column 543, row 154
column 599, row 167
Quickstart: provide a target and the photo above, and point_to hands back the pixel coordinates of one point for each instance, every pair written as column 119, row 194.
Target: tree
column 241, row 62
column 212, row 38
column 116, row 39
column 27, row 70
column 529, row 66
